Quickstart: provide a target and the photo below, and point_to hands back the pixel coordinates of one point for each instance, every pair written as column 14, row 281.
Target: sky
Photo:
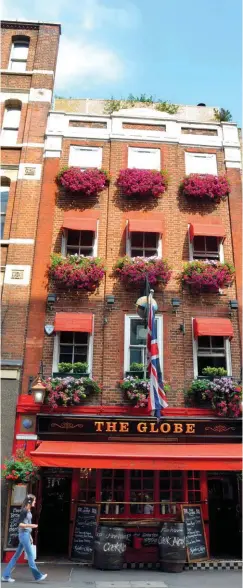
column 184, row 51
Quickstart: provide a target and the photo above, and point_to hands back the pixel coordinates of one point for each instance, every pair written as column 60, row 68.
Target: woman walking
column 25, row 542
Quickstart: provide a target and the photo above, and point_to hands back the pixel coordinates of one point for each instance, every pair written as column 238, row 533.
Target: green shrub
column 214, row 372
column 75, row 368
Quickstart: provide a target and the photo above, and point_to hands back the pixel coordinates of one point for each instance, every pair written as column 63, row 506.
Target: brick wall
column 108, row 353
column 24, row 196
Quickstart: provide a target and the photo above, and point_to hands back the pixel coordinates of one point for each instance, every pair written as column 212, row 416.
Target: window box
column 76, row 272
column 87, row 182
column 207, row 276
column 136, row 374
column 69, row 391
column 137, row 390
column 222, row 394
column 205, row 187
column 142, row 183
column 132, row 272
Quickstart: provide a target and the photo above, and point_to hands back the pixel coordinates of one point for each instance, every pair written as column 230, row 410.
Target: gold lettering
column 165, row 428
column 178, row 428
column 142, row 428
column 124, row 428
column 111, row 427
column 152, row 428
column 190, row 428
column 99, row 426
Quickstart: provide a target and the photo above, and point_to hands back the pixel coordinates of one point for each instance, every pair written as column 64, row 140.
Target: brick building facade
column 79, row 133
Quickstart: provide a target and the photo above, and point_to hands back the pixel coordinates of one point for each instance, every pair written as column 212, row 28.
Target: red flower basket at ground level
column 200, row 186
column 142, row 182
column 89, row 182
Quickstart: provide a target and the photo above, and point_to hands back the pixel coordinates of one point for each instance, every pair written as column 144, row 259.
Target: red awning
column 74, row 321
column 217, row 327
column 145, row 226
column 146, row 456
column 201, row 230
column 77, row 222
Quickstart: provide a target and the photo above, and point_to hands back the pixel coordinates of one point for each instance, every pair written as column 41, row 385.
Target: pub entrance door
column 224, row 503
column 54, row 513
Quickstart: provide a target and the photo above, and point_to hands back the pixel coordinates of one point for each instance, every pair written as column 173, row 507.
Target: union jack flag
column 157, row 397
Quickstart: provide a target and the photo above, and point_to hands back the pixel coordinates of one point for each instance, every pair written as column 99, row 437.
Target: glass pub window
column 138, row 337
column 211, row 353
column 205, row 247
column 4, row 202
column 142, row 491
column 194, row 492
column 87, row 488
column 171, row 490
column 144, row 244
column 73, row 347
column 112, row 490
column 80, row 242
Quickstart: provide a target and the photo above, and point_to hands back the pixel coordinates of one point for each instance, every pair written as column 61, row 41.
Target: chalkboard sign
column 13, row 523
column 195, row 533
column 85, row 525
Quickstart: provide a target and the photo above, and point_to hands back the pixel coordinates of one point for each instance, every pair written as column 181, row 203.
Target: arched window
column 11, row 120
column 19, row 53
column 4, row 190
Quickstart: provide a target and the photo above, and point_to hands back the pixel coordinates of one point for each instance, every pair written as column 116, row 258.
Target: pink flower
column 205, row 186
column 132, row 272
column 142, row 182
column 89, row 182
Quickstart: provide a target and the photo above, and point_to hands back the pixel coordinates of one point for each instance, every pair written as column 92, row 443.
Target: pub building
column 104, row 451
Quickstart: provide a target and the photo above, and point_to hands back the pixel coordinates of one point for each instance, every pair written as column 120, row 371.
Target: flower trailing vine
column 133, row 271
column 201, row 186
column 207, row 276
column 137, row 390
column 89, row 182
column 142, row 182
column 76, row 272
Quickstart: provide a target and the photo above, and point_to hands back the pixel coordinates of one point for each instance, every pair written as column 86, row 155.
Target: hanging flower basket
column 225, row 396
column 133, row 271
column 76, row 272
column 68, row 391
column 19, row 468
column 207, row 276
column 89, row 182
column 142, row 183
column 205, row 186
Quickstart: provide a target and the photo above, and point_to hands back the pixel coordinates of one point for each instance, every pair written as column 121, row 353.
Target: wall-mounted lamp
column 38, row 389
column 110, row 300
column 51, row 299
column 175, row 302
column 233, row 304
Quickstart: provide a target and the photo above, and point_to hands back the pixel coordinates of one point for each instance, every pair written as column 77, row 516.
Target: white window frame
column 133, row 153
column 94, row 164
column 3, row 214
column 192, row 158
column 191, row 249
column 56, row 351
column 129, row 248
column 195, row 355
column 13, row 59
column 9, row 133
column 64, row 242
column 127, row 329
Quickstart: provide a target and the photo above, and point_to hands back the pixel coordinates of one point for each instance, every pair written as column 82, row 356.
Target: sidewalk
column 69, row 576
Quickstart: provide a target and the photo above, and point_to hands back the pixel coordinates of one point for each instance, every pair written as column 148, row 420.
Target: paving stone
column 115, row 584
column 144, row 584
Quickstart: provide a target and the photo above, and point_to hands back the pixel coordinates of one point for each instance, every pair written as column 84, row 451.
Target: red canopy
column 206, row 230
column 74, row 321
column 145, row 456
column 77, row 222
column 141, row 225
column 217, row 327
